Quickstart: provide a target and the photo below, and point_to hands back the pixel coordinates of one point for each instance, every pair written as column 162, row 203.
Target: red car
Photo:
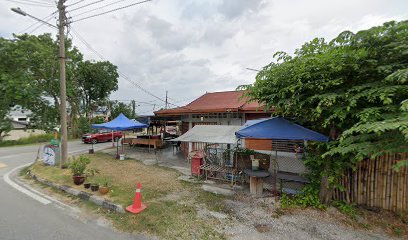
column 101, row 137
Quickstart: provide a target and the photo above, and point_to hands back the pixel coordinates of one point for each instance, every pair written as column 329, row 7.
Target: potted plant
column 94, row 187
column 104, row 188
column 78, row 166
column 89, row 174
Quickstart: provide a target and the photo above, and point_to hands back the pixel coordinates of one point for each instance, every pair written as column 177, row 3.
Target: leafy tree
column 353, row 88
column 31, row 63
column 120, row 107
column 96, row 80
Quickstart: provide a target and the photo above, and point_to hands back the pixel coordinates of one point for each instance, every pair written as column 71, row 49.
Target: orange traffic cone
column 137, row 205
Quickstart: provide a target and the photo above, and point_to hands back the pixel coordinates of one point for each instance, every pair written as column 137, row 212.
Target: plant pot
column 94, row 188
column 78, row 180
column 104, row 190
column 87, row 185
column 91, row 151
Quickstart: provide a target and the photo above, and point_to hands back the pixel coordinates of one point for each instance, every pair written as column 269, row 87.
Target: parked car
column 104, row 136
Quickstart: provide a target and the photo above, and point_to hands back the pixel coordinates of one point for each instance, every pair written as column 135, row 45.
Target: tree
column 96, row 80
column 32, row 71
column 120, row 107
column 353, row 88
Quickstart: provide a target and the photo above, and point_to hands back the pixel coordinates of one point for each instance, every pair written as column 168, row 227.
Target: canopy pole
column 113, row 142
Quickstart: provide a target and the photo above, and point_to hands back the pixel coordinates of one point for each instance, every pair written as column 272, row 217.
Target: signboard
column 54, row 142
column 51, row 154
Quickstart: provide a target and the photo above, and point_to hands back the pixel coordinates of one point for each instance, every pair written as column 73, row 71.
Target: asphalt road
column 22, row 217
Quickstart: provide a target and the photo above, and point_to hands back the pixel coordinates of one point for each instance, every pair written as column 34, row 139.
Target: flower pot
column 87, row 185
column 94, row 188
column 104, row 190
column 78, row 180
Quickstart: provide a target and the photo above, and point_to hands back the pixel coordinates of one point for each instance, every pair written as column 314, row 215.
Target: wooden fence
column 374, row 183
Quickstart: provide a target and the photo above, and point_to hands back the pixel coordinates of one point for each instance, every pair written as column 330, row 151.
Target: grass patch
column 171, row 212
column 29, row 140
column 24, row 171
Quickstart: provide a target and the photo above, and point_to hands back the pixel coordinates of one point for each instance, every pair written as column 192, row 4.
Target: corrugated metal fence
column 375, row 183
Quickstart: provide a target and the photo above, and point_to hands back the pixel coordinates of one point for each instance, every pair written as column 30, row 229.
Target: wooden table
column 256, row 180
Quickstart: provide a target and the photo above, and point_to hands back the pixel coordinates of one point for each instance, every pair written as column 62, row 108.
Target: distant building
column 19, row 114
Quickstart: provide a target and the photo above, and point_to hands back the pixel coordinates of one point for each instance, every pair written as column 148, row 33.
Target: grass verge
column 172, row 204
column 29, row 140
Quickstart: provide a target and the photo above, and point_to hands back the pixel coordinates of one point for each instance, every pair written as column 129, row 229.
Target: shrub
column 308, row 198
column 78, row 165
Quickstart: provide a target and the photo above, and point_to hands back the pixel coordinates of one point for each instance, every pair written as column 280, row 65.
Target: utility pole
column 166, row 100
column 133, row 109
column 63, row 93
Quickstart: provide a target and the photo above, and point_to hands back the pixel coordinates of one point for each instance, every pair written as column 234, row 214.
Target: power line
column 31, row 4
column 120, row 74
column 91, row 10
column 46, row 19
column 75, row 3
column 113, row 10
column 37, row 2
column 86, row 5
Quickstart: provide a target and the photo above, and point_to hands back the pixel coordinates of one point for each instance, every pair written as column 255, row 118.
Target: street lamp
column 21, row 12
column 63, row 92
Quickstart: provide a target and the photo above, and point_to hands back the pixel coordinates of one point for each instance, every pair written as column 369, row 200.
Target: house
column 218, row 108
column 18, row 114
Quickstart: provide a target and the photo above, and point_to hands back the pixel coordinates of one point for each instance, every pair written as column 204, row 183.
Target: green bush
column 308, row 198
column 348, row 209
column 78, row 165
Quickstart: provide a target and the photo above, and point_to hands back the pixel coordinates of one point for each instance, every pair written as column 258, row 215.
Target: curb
column 81, row 194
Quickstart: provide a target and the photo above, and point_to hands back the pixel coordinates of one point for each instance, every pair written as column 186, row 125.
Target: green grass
column 172, row 204
column 29, row 140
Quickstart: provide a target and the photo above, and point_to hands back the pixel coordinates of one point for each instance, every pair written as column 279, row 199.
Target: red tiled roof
column 215, row 102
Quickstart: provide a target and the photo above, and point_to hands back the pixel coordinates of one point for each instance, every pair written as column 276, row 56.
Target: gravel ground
column 260, row 218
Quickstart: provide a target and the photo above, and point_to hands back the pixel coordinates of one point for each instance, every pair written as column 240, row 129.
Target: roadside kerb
column 81, row 194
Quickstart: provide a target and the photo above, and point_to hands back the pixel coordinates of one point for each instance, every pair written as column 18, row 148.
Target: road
column 22, row 217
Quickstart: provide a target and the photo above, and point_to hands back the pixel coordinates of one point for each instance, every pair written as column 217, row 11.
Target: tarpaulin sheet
column 210, row 134
column 121, row 122
column 278, row 128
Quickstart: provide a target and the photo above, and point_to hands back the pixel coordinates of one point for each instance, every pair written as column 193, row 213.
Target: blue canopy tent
column 120, row 123
column 278, row 128
column 281, row 131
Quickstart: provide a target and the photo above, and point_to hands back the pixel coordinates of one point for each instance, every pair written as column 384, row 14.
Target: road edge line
column 21, row 189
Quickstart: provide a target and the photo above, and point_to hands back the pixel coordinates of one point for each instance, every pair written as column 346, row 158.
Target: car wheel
column 94, row 141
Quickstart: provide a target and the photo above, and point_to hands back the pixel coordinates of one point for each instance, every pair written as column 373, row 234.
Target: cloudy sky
column 189, row 47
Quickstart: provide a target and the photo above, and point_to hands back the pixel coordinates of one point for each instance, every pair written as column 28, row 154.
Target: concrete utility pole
column 63, row 94
column 166, row 101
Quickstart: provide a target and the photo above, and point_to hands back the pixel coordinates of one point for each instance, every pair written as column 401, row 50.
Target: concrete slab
column 217, row 190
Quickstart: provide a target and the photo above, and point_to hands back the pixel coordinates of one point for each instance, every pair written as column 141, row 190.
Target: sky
column 190, row 47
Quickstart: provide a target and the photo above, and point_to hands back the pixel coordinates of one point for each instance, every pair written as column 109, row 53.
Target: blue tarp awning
column 278, row 128
column 121, row 122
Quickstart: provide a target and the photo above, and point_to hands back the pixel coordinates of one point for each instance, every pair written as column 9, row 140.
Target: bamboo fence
column 374, row 183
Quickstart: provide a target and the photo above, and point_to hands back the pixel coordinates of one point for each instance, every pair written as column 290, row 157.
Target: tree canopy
column 29, row 76
column 353, row 88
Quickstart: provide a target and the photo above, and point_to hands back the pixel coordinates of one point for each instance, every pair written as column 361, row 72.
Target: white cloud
column 189, row 47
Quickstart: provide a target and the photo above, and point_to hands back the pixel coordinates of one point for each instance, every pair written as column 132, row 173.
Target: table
column 256, row 180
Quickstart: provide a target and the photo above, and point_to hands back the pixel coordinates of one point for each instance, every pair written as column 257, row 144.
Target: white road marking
column 32, row 192
column 7, row 179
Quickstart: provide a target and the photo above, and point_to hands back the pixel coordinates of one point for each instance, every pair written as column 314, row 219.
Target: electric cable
column 46, row 19
column 98, row 8
column 31, row 4
column 113, row 10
